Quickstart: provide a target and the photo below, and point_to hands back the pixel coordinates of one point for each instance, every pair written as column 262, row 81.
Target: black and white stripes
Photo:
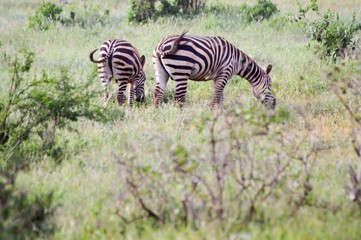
column 119, row 59
column 206, row 58
column 181, row 58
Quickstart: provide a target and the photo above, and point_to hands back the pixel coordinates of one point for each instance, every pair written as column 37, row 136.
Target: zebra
column 119, row 59
column 207, row 58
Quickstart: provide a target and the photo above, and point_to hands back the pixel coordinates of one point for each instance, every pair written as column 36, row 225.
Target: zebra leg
column 131, row 93
column 162, row 77
column 105, row 76
column 121, row 98
column 219, row 86
column 180, row 91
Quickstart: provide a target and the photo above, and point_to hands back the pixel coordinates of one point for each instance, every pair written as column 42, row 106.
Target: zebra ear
column 268, row 68
column 142, row 60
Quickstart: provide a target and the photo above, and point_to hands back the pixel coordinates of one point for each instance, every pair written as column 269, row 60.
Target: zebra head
column 139, row 83
column 263, row 90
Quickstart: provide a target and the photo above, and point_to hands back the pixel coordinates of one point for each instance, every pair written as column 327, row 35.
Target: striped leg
column 131, row 93
column 180, row 91
column 219, row 86
column 105, row 75
column 161, row 81
column 121, row 98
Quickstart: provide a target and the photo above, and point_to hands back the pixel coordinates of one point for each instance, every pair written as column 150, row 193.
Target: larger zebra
column 207, row 58
column 119, row 59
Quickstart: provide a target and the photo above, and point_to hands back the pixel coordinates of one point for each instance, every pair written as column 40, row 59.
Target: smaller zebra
column 119, row 59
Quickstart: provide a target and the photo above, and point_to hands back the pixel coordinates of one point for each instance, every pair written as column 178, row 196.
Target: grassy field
column 90, row 184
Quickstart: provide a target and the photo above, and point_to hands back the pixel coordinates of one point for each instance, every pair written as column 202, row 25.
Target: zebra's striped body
column 206, row 58
column 119, row 59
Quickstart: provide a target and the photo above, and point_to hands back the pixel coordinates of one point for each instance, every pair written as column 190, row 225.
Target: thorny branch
column 340, row 88
column 134, row 190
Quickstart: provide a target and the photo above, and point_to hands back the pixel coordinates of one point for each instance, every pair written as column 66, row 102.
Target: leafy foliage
column 245, row 169
column 30, row 115
column 144, row 10
column 335, row 37
column 303, row 10
column 221, row 8
column 262, row 10
column 49, row 14
column 23, row 215
column 348, row 91
column 86, row 17
column 45, row 15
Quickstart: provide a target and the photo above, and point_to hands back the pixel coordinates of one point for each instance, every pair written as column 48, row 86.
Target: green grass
column 89, row 184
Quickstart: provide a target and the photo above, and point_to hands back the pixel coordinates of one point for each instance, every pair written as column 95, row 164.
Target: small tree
column 143, row 10
column 335, row 37
column 263, row 10
column 348, row 91
column 31, row 112
column 45, row 15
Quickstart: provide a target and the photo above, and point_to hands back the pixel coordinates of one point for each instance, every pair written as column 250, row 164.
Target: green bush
column 180, row 7
column 31, row 113
column 335, row 37
column 47, row 14
column 23, row 216
column 303, row 10
column 144, row 10
column 87, row 16
column 245, row 163
column 167, row 8
column 264, row 9
column 219, row 8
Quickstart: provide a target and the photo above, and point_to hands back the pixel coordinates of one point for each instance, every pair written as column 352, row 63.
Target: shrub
column 264, row 9
column 219, row 8
column 180, row 7
column 144, row 10
column 303, row 10
column 90, row 16
column 335, row 37
column 45, row 15
column 31, row 113
column 348, row 91
column 49, row 13
column 244, row 163
column 23, row 216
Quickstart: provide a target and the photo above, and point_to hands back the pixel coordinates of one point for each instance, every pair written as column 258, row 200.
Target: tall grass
column 88, row 185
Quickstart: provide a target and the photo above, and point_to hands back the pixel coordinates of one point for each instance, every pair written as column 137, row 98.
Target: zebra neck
column 249, row 70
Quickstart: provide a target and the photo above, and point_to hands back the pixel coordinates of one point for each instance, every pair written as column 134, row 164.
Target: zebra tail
column 174, row 47
column 92, row 57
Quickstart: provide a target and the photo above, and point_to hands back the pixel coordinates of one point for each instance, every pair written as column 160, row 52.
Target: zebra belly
column 198, row 75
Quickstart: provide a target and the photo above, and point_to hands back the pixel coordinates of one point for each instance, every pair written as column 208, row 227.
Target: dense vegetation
column 71, row 168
